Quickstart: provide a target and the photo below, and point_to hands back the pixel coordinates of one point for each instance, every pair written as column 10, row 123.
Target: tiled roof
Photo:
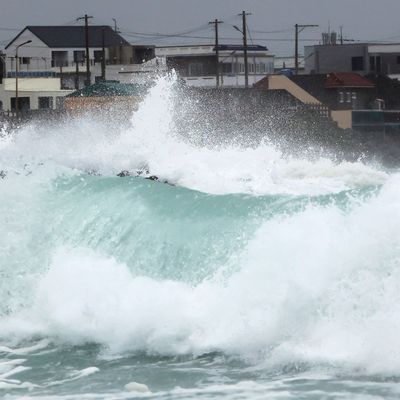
column 347, row 80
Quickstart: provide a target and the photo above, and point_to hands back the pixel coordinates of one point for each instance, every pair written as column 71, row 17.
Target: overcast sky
column 364, row 20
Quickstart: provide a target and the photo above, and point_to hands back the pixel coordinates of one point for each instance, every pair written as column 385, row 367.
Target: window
column 45, row 103
column 79, row 56
column 98, row 56
column 25, row 60
column 357, row 63
column 348, row 97
column 24, row 103
column 241, row 68
column 372, row 63
column 59, row 58
column 378, row 64
column 195, row 69
column 341, row 97
column 227, row 68
column 262, row 67
column 398, row 59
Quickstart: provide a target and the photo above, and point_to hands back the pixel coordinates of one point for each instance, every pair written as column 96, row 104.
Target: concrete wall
column 122, row 105
column 326, row 59
column 32, row 88
column 343, row 118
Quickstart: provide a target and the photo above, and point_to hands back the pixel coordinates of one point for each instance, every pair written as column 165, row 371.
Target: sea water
column 252, row 274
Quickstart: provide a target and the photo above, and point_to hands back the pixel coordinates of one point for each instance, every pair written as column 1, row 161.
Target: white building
column 197, row 64
column 33, row 94
column 58, row 53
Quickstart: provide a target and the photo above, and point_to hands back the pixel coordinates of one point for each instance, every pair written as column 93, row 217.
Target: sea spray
column 258, row 273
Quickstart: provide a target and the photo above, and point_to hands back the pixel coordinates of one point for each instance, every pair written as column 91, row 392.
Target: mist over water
column 252, row 273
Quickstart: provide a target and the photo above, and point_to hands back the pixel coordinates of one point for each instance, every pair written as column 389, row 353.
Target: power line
column 10, row 29
column 221, row 37
column 277, row 31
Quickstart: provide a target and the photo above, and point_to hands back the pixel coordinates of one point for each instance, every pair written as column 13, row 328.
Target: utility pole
column 103, row 54
column 217, row 72
column 76, row 73
column 16, row 76
column 86, row 18
column 341, row 34
column 299, row 28
column 246, row 64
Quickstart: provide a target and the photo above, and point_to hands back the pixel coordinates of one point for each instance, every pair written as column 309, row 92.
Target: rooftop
column 74, row 36
column 347, row 80
column 240, row 47
column 109, row 88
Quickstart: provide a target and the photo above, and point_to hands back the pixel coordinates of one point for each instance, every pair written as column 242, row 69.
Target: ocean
column 241, row 273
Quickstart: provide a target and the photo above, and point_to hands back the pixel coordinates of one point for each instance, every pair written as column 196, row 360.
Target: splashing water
column 258, row 275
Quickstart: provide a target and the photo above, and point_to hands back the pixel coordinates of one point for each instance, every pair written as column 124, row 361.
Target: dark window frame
column 357, row 63
column 45, row 102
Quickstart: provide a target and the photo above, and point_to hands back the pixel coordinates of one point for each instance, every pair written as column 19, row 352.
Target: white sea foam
column 151, row 142
column 321, row 286
column 137, row 387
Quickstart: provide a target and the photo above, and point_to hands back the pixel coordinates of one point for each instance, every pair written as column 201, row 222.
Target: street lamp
column 16, row 75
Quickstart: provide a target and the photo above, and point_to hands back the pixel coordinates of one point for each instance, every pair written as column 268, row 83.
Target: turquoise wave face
column 157, row 230
column 259, row 274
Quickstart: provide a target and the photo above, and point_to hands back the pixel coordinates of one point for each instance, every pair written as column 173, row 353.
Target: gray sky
column 361, row 19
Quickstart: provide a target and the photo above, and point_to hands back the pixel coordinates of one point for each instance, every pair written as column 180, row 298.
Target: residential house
column 41, row 93
column 197, row 64
column 338, row 90
column 59, row 52
column 338, row 93
column 362, row 58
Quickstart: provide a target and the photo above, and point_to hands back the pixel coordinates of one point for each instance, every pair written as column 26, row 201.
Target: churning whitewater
column 251, row 274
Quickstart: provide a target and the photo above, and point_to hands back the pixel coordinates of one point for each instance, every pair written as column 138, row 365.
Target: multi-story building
column 363, row 58
column 197, row 64
column 58, row 53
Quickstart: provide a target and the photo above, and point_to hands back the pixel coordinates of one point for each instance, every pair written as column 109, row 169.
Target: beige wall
column 33, row 84
column 33, row 89
column 80, row 105
column 343, row 118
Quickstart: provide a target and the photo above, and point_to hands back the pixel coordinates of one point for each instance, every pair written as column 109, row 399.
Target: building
column 338, row 90
column 119, row 99
column 363, row 58
column 337, row 94
column 58, row 52
column 41, row 93
column 196, row 64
